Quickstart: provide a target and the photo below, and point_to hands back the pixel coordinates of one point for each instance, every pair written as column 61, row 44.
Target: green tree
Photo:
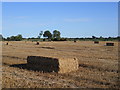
column 56, row 34
column 93, row 37
column 1, row 37
column 15, row 38
column 8, row 39
column 18, row 37
column 12, row 38
column 101, row 38
column 40, row 34
column 47, row 34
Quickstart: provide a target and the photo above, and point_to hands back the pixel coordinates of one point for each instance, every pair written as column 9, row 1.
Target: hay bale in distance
column 96, row 42
column 75, row 41
column 48, row 64
column 7, row 43
column 37, row 43
column 109, row 44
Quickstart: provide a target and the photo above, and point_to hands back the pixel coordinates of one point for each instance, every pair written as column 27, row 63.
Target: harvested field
column 98, row 65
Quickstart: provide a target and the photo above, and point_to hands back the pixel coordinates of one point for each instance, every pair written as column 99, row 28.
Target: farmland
column 98, row 65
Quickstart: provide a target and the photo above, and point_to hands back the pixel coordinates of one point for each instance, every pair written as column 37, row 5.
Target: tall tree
column 93, row 37
column 1, row 37
column 40, row 34
column 18, row 37
column 15, row 38
column 47, row 34
column 56, row 34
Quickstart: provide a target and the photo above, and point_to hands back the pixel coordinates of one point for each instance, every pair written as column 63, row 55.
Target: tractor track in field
column 14, row 57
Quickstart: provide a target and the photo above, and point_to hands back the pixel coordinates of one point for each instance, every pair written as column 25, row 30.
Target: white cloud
column 21, row 17
column 77, row 20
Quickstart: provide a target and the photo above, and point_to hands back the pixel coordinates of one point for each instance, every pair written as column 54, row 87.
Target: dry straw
column 96, row 42
column 48, row 64
column 37, row 43
column 109, row 44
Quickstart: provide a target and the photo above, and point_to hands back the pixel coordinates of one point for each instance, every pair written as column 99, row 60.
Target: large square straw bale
column 109, row 44
column 48, row 64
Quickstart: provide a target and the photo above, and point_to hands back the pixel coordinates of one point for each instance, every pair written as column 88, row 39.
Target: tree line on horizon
column 47, row 36
column 56, row 36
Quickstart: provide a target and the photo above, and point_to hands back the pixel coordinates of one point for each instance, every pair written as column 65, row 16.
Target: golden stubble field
column 98, row 65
